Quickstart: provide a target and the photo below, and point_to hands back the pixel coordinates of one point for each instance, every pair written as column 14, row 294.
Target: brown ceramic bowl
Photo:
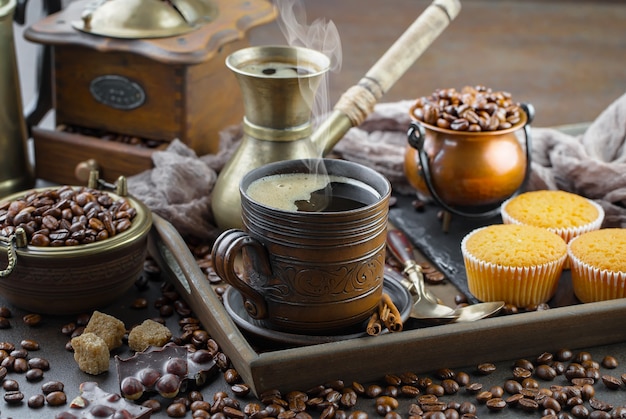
column 75, row 279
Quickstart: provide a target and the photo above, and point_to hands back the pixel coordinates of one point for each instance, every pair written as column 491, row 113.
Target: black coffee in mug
column 312, row 192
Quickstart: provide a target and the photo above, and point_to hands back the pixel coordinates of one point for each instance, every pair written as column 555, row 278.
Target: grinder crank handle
column 358, row 101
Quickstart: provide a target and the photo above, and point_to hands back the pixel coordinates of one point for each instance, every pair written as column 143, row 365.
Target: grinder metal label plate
column 117, row 92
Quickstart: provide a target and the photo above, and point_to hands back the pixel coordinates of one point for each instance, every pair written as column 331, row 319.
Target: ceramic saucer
column 258, row 329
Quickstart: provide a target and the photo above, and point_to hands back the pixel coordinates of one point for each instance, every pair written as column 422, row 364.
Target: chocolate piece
column 166, row 370
column 93, row 402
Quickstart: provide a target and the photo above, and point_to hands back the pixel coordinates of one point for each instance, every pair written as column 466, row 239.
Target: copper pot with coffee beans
column 70, row 249
column 464, row 149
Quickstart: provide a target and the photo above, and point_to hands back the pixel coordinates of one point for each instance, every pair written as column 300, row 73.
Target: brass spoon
column 400, row 247
column 424, row 307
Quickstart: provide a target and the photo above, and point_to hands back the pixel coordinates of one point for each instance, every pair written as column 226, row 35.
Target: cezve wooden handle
column 350, row 110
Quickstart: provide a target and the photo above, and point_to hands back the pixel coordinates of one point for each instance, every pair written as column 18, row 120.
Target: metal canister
column 15, row 170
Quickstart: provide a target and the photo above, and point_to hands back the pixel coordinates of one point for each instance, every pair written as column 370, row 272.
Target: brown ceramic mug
column 309, row 271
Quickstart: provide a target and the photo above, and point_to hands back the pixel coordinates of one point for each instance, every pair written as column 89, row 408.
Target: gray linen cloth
column 592, row 164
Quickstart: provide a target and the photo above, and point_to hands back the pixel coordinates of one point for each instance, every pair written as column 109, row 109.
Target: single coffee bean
column 611, row 382
column 564, row 355
column 20, row 365
column 372, row 391
column 34, row 374
column 486, row 368
column 36, row 401
column 5, row 312
column 600, row 405
column 56, row 398
column 610, row 362
column 29, row 345
column 528, row 405
column 139, row 303
column 68, row 328
column 10, row 385
column 39, row 363
column 19, row 353
column 32, row 319
column 495, row 404
column 231, row 376
column 450, row 386
column 462, row 378
column 241, row 389
column 13, row 397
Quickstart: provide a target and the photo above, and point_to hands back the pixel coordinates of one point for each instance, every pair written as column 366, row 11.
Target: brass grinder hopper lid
column 135, row 19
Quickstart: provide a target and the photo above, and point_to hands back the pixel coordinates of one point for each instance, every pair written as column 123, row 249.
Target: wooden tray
column 368, row 359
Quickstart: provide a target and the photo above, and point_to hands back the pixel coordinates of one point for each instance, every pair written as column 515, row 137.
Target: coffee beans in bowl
column 67, row 249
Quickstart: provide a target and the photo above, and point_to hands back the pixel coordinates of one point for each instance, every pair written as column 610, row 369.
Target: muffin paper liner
column 566, row 233
column 592, row 284
column 520, row 286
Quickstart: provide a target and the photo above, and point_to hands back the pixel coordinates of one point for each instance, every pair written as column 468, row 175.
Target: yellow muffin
column 598, row 264
column 517, row 264
column 564, row 213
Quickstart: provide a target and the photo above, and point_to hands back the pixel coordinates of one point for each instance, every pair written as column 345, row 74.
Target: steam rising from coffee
column 322, row 36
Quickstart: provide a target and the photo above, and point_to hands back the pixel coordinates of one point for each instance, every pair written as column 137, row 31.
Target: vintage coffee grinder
column 15, row 170
column 130, row 76
column 278, row 104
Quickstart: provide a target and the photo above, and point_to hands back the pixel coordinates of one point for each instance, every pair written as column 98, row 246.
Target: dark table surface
column 63, row 367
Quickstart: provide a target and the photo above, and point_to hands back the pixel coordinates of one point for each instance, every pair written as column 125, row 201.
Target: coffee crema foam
column 308, row 192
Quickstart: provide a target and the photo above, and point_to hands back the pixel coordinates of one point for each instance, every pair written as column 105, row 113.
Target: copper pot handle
column 17, row 239
column 416, row 138
column 230, row 244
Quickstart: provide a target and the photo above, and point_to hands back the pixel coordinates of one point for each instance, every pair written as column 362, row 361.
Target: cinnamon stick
column 391, row 315
column 374, row 326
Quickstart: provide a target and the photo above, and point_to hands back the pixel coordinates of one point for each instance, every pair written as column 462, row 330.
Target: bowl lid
column 133, row 19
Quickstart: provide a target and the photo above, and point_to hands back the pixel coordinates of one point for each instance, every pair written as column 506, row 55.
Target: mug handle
column 417, row 136
column 230, row 244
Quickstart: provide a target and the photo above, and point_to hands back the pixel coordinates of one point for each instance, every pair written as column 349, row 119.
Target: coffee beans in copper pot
column 472, row 109
column 66, row 216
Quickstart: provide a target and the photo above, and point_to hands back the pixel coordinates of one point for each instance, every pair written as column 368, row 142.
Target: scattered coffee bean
column 36, row 401
column 29, row 345
column 39, row 363
column 5, row 312
column 610, row 362
column 486, row 368
column 10, row 385
column 32, row 319
column 139, row 303
column 34, row 374
column 13, row 397
column 56, row 398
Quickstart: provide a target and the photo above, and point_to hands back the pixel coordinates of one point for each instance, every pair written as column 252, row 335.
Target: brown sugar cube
column 148, row 333
column 91, row 353
column 109, row 328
